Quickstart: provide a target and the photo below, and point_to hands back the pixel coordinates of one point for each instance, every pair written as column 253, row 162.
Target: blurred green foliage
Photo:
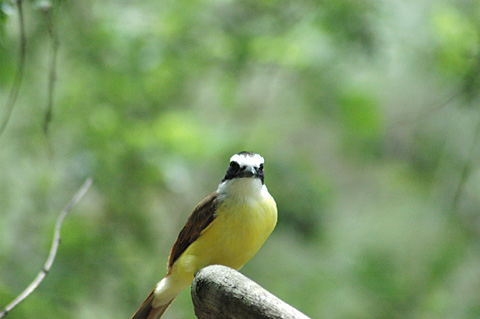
column 367, row 114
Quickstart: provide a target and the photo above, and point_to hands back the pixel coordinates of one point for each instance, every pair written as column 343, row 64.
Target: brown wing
column 201, row 217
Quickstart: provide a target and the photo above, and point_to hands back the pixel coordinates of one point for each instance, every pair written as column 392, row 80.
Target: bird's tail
column 148, row 311
column 161, row 298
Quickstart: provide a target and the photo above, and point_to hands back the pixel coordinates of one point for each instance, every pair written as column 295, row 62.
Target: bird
column 227, row 227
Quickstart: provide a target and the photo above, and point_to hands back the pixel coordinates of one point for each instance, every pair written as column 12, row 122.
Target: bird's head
column 245, row 165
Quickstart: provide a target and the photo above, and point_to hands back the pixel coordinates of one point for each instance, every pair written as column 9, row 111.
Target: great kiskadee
column 227, row 227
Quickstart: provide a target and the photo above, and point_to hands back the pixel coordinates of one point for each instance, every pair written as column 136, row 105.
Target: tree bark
column 219, row 292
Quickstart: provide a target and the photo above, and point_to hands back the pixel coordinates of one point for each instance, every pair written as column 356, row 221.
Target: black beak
column 247, row 171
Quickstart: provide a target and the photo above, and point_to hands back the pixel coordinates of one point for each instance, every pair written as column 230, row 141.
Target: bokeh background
column 367, row 113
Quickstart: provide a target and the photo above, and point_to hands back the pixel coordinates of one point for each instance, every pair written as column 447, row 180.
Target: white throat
column 242, row 190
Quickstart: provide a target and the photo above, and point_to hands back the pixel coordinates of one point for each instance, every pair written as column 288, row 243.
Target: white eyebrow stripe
column 247, row 160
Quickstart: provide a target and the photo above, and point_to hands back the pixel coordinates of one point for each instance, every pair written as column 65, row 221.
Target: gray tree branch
column 219, row 292
column 22, row 53
column 53, row 250
column 52, row 74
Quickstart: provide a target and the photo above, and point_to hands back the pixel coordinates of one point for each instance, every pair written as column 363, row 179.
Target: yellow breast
column 242, row 224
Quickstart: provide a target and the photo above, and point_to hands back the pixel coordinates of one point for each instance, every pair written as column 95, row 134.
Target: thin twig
column 429, row 111
column 53, row 249
column 12, row 97
column 52, row 75
column 466, row 169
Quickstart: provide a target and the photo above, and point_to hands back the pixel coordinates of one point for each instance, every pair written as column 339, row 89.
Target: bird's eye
column 260, row 168
column 234, row 165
